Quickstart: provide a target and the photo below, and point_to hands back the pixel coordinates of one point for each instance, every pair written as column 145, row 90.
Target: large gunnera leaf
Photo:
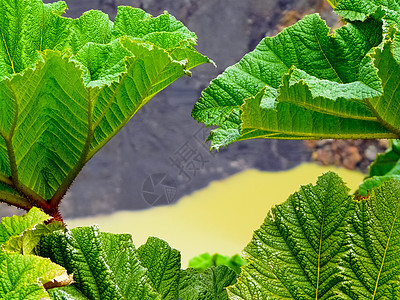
column 372, row 262
column 68, row 86
column 163, row 264
column 306, row 83
column 296, row 252
column 361, row 9
column 321, row 244
column 108, row 266
column 105, row 266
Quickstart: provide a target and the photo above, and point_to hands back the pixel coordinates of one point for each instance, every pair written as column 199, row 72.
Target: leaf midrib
column 143, row 101
column 8, row 52
column 291, row 250
column 319, row 252
column 83, row 159
column 79, row 248
column 391, row 99
column 386, row 248
column 326, row 58
column 302, row 135
column 320, row 109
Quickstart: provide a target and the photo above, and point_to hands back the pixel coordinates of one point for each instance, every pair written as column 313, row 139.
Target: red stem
column 54, row 212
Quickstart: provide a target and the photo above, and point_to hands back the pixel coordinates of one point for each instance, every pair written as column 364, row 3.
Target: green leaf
column 66, row 293
column 105, row 265
column 333, row 3
column 202, row 262
column 385, row 167
column 371, row 183
column 320, row 244
column 295, row 253
column 371, row 264
column 163, row 264
column 387, row 106
column 205, row 260
column 207, row 285
column 148, row 73
column 28, row 240
column 302, row 84
column 387, row 163
column 15, row 225
column 23, row 276
column 396, row 47
column 55, row 30
column 290, row 121
column 47, row 145
column 102, row 64
column 361, row 9
column 97, row 72
column 341, row 100
column 162, row 30
column 92, row 27
column 28, row 26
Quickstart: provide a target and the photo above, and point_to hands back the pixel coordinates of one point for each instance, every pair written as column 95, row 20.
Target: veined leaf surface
column 360, row 10
column 107, row 266
column 387, row 107
column 295, row 253
column 302, row 84
column 208, row 285
column 163, row 264
column 372, row 266
column 25, row 276
column 388, row 162
column 321, row 244
column 21, row 234
column 15, row 225
column 68, row 86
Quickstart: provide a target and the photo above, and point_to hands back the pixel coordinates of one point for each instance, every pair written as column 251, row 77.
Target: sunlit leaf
column 303, row 83
column 296, row 252
column 68, row 86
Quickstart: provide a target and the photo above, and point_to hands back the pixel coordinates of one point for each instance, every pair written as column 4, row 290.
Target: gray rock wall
column 139, row 167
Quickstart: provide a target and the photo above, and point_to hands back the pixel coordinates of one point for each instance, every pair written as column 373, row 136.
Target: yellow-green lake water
column 219, row 218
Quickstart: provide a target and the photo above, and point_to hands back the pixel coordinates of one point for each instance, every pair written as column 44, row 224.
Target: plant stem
column 55, row 213
column 16, row 201
column 6, row 180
